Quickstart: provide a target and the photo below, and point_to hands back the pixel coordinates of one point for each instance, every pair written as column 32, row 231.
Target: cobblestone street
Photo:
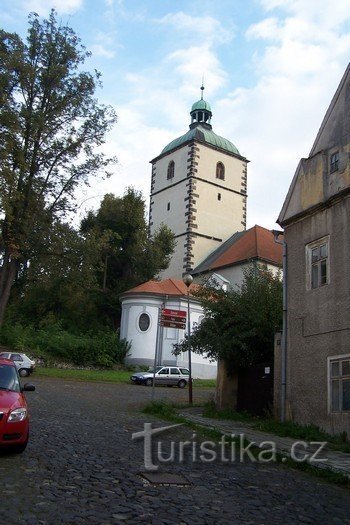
column 81, row 466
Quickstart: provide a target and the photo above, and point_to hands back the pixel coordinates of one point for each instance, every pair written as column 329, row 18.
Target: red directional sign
column 177, row 313
column 170, row 324
column 173, row 318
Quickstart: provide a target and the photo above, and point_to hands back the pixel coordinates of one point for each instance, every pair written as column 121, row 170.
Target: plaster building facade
column 141, row 307
column 315, row 218
column 199, row 189
column 255, row 246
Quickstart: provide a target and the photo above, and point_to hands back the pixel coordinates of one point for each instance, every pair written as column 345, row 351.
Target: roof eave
column 217, row 148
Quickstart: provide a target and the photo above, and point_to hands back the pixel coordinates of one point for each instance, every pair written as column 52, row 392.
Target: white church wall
column 234, row 167
column 142, row 342
column 169, row 207
column 143, row 347
column 180, row 158
column 219, row 212
column 235, row 274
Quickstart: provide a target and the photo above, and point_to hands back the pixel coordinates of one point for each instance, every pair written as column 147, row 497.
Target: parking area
column 82, row 466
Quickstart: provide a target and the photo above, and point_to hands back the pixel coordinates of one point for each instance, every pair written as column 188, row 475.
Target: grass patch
column 113, row 376
column 209, row 383
column 168, row 412
column 287, row 429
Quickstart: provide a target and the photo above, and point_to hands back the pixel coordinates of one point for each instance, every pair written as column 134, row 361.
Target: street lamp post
column 188, row 279
column 276, row 234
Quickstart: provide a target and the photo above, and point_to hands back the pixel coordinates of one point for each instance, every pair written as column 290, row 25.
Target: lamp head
column 187, row 279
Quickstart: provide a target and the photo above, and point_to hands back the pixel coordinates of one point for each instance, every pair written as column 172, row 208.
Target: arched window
column 171, row 169
column 220, row 171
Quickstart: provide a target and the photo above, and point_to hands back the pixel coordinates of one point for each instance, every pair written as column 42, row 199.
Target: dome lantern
column 201, row 112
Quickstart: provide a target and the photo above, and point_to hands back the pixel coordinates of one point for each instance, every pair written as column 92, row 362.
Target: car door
column 162, row 377
column 174, row 376
column 17, row 358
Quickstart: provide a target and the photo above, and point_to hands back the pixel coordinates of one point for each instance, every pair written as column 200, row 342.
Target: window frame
column 220, row 170
column 340, row 378
column 334, row 162
column 171, row 170
column 149, row 322
column 311, row 264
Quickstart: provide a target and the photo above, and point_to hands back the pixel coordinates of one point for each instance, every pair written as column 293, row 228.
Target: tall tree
column 129, row 255
column 239, row 324
column 51, row 127
column 59, row 284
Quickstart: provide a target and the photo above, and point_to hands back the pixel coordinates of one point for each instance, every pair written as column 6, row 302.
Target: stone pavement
column 326, row 458
column 82, row 466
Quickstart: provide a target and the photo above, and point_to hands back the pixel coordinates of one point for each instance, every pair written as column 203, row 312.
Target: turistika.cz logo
column 234, row 449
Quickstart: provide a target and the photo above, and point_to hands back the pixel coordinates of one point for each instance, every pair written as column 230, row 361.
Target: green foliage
column 128, row 256
column 113, row 376
column 240, row 324
column 51, row 131
column 103, row 349
column 162, row 410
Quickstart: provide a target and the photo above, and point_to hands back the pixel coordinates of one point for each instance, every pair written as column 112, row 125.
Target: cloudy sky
column 270, row 70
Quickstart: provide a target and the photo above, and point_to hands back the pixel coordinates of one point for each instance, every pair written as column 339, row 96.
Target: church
column 199, row 190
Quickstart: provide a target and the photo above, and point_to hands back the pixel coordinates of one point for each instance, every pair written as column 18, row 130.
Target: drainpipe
column 276, row 234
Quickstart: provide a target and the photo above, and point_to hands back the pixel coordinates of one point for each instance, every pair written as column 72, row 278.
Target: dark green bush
column 103, row 348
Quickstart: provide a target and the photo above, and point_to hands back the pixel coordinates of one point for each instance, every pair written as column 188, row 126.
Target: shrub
column 103, row 348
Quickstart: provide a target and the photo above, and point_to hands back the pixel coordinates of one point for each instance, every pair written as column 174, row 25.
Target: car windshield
column 9, row 378
column 157, row 369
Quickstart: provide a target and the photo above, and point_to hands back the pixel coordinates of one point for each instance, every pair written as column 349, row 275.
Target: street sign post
column 173, row 318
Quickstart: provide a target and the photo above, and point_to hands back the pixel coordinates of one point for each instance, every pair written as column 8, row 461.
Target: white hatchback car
column 24, row 364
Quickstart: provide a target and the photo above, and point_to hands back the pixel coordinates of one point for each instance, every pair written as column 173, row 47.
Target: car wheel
column 149, row 382
column 181, row 383
column 23, row 372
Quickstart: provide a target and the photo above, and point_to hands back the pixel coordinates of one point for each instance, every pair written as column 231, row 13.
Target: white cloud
column 206, row 27
column 191, row 63
column 100, row 50
column 42, row 7
column 105, row 45
column 299, row 63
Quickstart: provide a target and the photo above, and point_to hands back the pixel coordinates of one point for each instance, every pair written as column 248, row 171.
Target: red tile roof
column 174, row 287
column 255, row 243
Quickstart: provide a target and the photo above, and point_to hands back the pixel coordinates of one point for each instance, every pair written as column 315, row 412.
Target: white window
column 317, row 263
column 339, row 383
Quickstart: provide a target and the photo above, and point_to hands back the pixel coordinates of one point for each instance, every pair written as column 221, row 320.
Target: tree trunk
column 226, row 388
column 7, row 278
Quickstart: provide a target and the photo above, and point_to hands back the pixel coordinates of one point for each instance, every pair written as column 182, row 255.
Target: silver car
column 164, row 375
column 24, row 364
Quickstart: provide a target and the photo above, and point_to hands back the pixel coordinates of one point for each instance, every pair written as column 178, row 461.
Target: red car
column 14, row 420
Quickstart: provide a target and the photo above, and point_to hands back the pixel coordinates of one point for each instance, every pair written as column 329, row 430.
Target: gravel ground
column 82, row 466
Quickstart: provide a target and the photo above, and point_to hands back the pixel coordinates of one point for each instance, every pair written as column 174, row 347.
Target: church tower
column 199, row 190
